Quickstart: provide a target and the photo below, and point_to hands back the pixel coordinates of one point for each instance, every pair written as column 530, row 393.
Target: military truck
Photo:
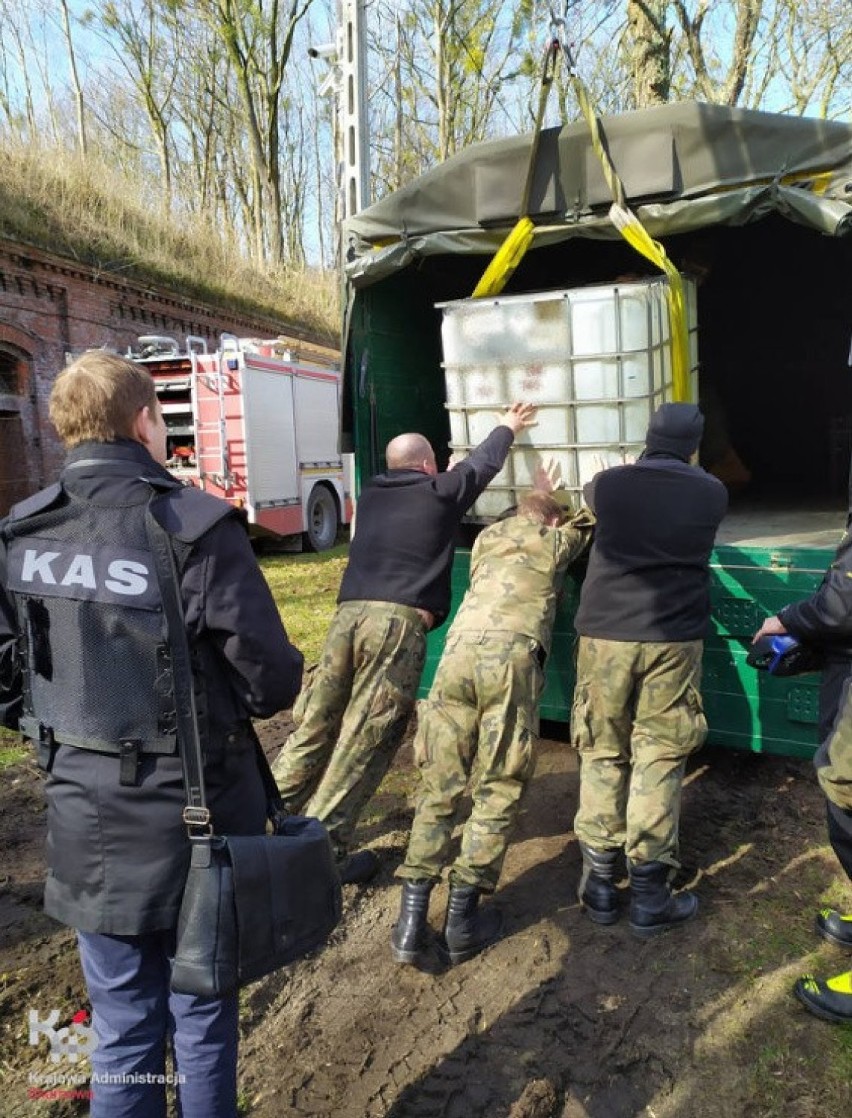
column 755, row 209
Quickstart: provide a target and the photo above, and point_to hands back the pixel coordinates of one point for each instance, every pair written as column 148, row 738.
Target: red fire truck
column 251, row 424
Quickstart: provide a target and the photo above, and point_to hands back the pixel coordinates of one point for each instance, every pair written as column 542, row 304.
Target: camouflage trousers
column 635, row 719
column 479, row 723
column 352, row 715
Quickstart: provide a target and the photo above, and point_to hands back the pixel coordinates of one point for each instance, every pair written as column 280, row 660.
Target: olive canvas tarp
column 684, row 166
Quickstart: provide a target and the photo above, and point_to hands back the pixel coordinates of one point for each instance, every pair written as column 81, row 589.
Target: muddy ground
column 561, row 1019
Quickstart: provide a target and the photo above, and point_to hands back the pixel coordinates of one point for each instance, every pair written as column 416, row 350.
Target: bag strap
column 274, row 804
column 196, row 814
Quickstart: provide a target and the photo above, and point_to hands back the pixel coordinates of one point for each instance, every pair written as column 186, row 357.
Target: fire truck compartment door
column 271, row 461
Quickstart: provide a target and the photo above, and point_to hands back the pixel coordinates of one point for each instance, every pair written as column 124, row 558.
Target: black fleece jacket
column 647, row 578
column 404, row 541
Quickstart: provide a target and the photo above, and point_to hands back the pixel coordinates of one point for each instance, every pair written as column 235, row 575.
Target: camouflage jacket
column 516, row 572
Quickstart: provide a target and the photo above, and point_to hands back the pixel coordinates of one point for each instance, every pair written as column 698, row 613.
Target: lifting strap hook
column 558, row 33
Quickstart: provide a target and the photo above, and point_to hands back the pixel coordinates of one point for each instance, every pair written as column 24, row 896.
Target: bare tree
column 813, row 41
column 258, row 40
column 75, row 79
column 650, row 51
column 133, row 31
column 444, row 64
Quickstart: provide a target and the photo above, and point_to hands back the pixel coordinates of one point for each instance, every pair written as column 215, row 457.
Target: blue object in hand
column 782, row 655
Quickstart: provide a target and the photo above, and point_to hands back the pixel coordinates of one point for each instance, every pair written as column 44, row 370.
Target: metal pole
column 353, row 106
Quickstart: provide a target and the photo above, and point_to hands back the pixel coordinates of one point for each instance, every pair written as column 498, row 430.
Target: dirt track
column 561, row 1019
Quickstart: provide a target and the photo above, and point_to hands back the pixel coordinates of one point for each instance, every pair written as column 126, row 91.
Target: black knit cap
column 675, row 429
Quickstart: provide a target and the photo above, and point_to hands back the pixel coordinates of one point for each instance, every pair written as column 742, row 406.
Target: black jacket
column 402, row 549
column 825, row 619
column 648, row 578
column 117, row 854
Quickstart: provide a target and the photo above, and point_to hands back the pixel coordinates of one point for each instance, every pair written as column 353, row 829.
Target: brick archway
column 15, row 379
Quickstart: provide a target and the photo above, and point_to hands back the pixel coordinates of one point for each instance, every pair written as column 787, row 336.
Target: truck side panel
column 272, row 474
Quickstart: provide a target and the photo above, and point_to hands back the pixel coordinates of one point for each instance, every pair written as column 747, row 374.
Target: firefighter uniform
column 84, row 673
column 824, row 620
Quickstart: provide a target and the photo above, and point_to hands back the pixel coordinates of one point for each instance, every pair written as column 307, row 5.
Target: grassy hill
column 90, row 213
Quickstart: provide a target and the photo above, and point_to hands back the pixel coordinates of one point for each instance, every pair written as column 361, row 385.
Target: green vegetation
column 88, row 212
column 11, row 754
column 12, row 750
column 305, row 589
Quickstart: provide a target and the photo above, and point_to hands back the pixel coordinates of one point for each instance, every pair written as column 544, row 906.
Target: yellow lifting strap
column 638, row 237
column 511, row 252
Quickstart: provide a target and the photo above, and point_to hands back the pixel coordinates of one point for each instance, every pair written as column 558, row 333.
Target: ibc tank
column 596, row 361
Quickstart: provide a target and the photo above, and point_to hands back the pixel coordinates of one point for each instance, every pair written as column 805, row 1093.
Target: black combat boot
column 834, row 927
column 410, row 935
column 830, row 999
column 596, row 892
column 358, row 868
column 467, row 930
column 653, row 906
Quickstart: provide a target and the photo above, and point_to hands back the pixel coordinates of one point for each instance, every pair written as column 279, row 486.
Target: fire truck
column 254, row 425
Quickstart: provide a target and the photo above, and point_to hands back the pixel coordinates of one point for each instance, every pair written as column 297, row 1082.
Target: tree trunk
column 649, row 51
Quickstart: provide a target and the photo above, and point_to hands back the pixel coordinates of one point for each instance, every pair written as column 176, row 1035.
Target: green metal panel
column 397, row 384
column 745, row 709
column 748, row 709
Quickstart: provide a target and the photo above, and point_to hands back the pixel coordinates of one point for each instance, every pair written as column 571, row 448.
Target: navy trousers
column 834, row 689
column 136, row 1018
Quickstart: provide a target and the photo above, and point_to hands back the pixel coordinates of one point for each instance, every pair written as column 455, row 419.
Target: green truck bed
column 764, row 559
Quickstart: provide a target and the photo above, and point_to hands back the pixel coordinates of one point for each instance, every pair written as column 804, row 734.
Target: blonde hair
column 540, row 507
column 98, row 396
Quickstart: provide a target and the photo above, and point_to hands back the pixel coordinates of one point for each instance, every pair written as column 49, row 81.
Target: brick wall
column 50, row 307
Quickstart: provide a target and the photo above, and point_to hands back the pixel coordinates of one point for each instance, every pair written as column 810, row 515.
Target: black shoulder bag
column 252, row 903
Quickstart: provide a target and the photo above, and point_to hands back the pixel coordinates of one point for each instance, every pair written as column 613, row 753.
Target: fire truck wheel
column 321, row 520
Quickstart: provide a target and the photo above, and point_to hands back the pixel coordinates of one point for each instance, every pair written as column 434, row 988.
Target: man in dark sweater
column 396, row 587
column 637, row 715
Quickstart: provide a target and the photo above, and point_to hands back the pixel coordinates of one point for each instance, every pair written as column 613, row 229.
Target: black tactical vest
column 93, row 640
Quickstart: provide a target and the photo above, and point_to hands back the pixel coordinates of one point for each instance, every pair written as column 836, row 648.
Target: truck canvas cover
column 684, row 166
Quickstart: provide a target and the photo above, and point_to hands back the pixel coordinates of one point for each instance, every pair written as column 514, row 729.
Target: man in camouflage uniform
column 395, row 588
column 637, row 714
column 481, row 717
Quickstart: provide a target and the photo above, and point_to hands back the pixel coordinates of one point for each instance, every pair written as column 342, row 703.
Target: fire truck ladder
column 214, row 460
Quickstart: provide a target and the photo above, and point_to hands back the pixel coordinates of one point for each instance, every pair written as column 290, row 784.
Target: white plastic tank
column 596, row 361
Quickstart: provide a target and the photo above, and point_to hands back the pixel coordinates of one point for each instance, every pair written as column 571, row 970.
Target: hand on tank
column 771, row 627
column 603, row 462
column 548, row 476
column 519, row 416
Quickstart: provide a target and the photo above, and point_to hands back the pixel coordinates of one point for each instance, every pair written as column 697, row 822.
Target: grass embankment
column 91, row 212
